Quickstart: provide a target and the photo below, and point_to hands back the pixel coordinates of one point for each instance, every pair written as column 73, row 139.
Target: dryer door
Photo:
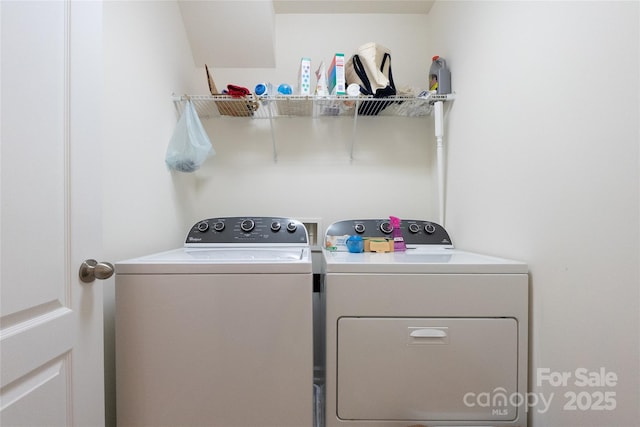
column 427, row 368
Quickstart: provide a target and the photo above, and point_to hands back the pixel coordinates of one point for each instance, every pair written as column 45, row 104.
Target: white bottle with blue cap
column 264, row 89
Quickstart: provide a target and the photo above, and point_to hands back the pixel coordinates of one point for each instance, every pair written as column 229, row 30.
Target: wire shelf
column 272, row 107
column 269, row 107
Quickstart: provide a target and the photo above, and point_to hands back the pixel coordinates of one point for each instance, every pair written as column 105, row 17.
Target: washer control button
column 218, row 226
column 203, row 226
column 291, row 227
column 247, row 225
column 386, row 227
column 359, row 228
column 275, row 226
column 429, row 228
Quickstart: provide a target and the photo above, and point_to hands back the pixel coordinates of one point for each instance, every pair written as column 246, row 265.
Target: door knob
column 91, row 269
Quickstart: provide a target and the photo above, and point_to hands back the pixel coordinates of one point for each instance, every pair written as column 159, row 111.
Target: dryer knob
column 414, row 228
column 203, row 226
column 218, row 226
column 275, row 226
column 291, row 227
column 359, row 228
column 430, row 228
column 247, row 225
column 386, row 227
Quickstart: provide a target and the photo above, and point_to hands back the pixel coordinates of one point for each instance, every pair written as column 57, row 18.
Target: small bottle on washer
column 398, row 240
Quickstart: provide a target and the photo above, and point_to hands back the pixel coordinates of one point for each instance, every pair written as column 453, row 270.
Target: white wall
column 147, row 57
column 314, row 176
column 540, row 164
column 543, row 162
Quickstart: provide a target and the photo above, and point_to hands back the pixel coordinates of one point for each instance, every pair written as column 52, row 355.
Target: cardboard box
column 378, row 245
column 336, row 75
column 304, row 77
column 336, row 243
column 321, row 84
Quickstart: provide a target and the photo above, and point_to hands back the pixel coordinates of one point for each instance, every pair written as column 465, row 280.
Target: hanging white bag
column 190, row 145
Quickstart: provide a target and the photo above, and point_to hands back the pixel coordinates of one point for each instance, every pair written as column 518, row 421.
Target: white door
column 51, row 344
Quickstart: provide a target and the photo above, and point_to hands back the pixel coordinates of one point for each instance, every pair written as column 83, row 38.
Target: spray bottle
column 398, row 240
column 439, row 76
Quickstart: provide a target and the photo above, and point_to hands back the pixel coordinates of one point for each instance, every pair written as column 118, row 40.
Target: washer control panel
column 414, row 232
column 247, row 230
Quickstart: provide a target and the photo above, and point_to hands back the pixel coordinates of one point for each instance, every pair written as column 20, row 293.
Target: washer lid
column 220, row 260
column 419, row 259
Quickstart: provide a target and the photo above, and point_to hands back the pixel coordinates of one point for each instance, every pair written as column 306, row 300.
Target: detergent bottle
column 439, row 76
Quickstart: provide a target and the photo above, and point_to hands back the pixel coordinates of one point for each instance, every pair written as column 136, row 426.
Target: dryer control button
column 414, row 228
column 275, row 226
column 291, row 227
column 386, row 227
column 430, row 228
column 218, row 226
column 203, row 226
column 247, row 225
column 359, row 228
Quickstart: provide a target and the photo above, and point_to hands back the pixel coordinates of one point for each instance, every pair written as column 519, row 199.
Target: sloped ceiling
column 352, row 6
column 240, row 33
column 230, row 34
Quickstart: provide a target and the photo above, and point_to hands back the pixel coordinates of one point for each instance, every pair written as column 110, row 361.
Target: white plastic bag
column 190, row 145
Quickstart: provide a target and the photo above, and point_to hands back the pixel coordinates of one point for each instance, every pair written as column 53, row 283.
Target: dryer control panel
column 247, row 230
column 414, row 232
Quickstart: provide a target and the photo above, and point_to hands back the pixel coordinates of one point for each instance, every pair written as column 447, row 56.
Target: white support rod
column 353, row 132
column 439, row 131
column 273, row 133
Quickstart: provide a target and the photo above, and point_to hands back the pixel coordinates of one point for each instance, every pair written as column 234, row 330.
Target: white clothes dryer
column 218, row 332
column 430, row 336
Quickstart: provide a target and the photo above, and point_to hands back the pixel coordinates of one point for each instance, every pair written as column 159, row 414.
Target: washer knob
column 275, row 226
column 203, row 226
column 430, row 228
column 414, row 228
column 359, row 228
column 218, row 226
column 247, row 225
column 386, row 227
column 291, row 227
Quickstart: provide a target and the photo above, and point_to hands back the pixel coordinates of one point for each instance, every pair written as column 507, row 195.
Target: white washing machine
column 219, row 332
column 431, row 336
